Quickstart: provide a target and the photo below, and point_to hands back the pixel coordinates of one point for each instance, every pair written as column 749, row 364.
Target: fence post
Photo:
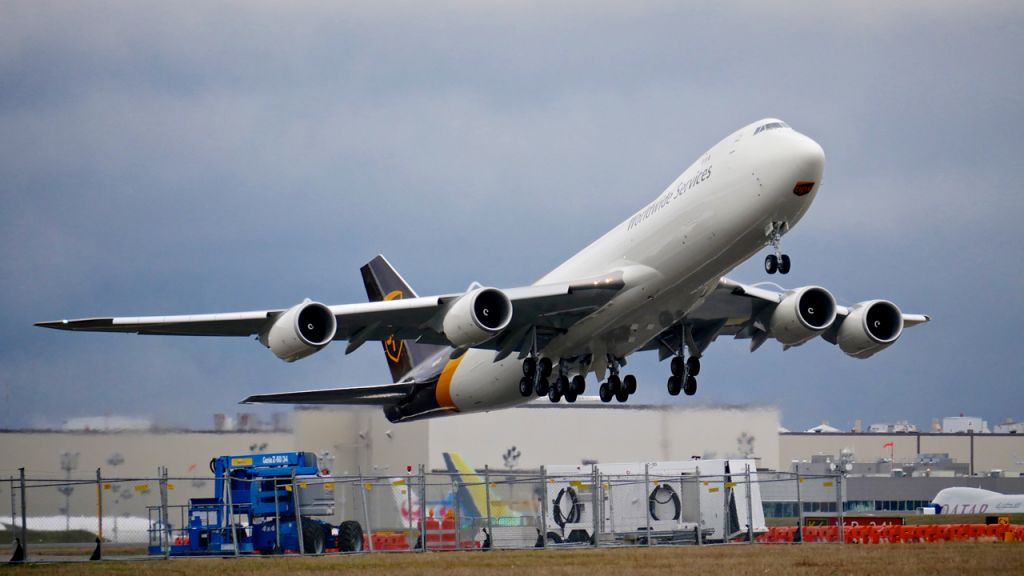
column 366, row 511
column 799, row 507
column 24, row 520
column 423, row 508
column 457, row 517
column 543, row 507
column 594, row 512
column 750, row 508
column 487, row 493
column 99, row 504
column 14, row 510
column 700, row 515
column 839, row 506
column 165, row 546
column 726, row 520
column 298, row 515
column 277, row 518
column 647, row 491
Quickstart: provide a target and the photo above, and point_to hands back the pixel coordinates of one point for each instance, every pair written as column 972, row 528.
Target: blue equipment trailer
column 256, row 497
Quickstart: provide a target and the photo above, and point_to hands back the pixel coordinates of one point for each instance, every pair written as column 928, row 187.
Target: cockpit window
column 770, row 126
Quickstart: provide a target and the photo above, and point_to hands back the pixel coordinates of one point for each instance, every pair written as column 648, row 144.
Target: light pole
column 68, row 462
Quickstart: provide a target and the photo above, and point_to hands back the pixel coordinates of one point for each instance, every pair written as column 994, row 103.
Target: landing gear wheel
column 554, row 394
column 784, row 264
column 529, row 365
column 579, row 385
column 543, row 387
column 771, row 263
column 614, row 384
column 605, row 393
column 622, row 395
column 690, row 386
column 545, row 367
column 692, row 366
column 675, row 384
column 629, row 382
column 570, row 396
column 526, row 386
column 678, row 366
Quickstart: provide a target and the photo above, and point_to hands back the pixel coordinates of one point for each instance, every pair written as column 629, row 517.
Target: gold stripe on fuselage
column 444, row 384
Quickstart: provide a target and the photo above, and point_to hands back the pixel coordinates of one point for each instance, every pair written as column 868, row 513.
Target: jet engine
column 803, row 314
column 869, row 328
column 300, row 331
column 476, row 317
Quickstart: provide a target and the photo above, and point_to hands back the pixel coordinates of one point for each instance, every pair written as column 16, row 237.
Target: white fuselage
column 962, row 500
column 671, row 253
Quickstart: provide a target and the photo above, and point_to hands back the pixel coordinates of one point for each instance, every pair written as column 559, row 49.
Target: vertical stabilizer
column 474, row 490
column 383, row 282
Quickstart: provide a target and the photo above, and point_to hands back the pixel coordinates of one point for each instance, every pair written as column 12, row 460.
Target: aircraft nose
column 792, row 164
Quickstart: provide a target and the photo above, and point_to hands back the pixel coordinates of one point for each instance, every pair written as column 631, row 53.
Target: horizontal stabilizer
column 382, row 395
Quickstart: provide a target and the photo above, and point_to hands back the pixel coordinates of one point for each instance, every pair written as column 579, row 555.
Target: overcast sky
column 164, row 158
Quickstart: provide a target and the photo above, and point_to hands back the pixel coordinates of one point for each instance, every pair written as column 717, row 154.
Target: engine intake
column 300, row 331
column 869, row 328
column 803, row 314
column 476, row 317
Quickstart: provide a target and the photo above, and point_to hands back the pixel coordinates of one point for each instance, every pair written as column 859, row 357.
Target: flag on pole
column 887, row 445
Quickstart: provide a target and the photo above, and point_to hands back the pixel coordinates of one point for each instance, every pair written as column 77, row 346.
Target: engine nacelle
column 869, row 328
column 300, row 331
column 803, row 314
column 476, row 317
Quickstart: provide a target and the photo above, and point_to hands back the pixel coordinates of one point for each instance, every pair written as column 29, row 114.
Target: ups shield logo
column 394, row 347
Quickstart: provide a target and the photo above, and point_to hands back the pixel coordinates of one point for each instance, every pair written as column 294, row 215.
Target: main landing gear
column 683, row 376
column 616, row 387
column 777, row 261
column 535, row 379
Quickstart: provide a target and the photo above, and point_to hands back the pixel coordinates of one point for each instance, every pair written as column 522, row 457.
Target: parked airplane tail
column 473, row 493
column 383, row 282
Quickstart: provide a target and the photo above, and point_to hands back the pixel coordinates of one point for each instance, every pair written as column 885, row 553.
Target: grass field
column 734, row 560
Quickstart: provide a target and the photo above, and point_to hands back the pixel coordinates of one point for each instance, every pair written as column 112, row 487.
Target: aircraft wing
column 382, row 395
column 742, row 311
column 537, row 312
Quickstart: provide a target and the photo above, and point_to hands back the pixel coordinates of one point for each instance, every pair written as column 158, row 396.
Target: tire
column 693, row 366
column 784, row 264
column 771, row 264
column 563, row 385
column 629, row 382
column 529, row 365
column 604, row 393
column 614, row 384
column 690, row 386
column 543, row 387
column 312, row 536
column 570, row 396
column 622, row 395
column 545, row 367
column 579, row 385
column 525, row 386
column 675, row 384
column 554, row 538
column 678, row 366
column 554, row 395
column 350, row 536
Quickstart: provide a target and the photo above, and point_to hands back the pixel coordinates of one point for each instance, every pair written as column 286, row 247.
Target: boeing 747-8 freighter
column 654, row 282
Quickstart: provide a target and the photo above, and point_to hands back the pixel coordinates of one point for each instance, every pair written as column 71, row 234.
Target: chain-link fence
column 683, row 503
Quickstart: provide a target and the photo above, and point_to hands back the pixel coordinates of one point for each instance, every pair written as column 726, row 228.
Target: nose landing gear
column 777, row 261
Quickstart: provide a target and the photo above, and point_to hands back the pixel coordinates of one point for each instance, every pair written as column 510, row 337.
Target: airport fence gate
column 415, row 511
